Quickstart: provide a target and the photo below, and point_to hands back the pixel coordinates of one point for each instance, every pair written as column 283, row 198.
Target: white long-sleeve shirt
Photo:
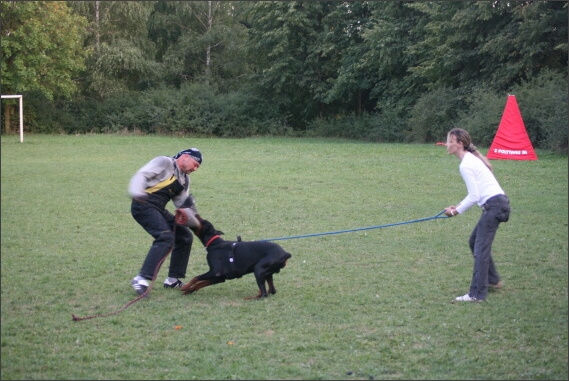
column 480, row 182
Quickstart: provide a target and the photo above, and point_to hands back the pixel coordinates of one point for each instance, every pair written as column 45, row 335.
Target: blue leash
column 440, row 215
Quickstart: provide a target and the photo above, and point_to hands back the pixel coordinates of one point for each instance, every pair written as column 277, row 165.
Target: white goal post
column 21, row 102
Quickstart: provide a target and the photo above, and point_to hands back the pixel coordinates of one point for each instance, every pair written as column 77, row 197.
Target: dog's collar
column 211, row 240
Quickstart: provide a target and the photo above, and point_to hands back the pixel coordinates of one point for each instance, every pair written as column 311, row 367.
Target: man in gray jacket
column 163, row 179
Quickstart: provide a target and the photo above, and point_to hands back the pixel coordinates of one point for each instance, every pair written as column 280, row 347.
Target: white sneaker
column 139, row 284
column 465, row 298
column 173, row 283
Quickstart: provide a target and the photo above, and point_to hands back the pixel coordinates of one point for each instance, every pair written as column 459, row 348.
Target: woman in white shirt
column 484, row 190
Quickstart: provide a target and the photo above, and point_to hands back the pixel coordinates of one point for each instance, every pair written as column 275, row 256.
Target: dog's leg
column 261, row 284
column 189, row 287
column 199, row 282
column 196, row 286
column 264, row 271
column 272, row 289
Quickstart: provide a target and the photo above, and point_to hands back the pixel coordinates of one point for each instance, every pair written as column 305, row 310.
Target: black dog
column 233, row 259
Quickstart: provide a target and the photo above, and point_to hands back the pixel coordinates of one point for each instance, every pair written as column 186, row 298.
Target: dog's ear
column 219, row 232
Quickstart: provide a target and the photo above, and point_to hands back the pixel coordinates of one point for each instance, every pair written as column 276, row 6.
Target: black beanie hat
column 193, row 152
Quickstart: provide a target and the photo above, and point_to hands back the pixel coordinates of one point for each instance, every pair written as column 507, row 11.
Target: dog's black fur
column 233, row 259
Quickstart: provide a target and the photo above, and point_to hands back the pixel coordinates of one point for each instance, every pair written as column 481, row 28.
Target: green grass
column 372, row 304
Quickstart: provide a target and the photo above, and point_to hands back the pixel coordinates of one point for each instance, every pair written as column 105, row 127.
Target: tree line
column 385, row 71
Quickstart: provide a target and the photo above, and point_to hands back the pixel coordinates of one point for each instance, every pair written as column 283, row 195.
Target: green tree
column 122, row 56
column 394, row 27
column 292, row 67
column 342, row 50
column 200, row 40
column 42, row 49
column 496, row 44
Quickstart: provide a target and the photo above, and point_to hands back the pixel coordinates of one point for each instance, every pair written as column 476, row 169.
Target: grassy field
column 373, row 304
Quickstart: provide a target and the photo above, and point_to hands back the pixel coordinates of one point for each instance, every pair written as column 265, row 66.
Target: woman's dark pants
column 494, row 211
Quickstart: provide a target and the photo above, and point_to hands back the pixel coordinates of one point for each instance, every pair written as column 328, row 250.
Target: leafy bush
column 389, row 126
column 196, row 108
column 483, row 116
column 385, row 127
column 543, row 105
column 434, row 114
column 202, row 110
column 199, row 108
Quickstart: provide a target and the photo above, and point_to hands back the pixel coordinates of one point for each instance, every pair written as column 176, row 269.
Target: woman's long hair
column 463, row 137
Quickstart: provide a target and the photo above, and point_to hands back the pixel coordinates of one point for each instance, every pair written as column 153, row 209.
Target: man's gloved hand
column 187, row 217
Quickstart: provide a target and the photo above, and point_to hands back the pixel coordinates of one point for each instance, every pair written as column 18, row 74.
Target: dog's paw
column 187, row 289
column 260, row 295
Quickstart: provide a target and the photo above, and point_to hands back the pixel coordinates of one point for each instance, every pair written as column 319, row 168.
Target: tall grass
column 372, row 304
